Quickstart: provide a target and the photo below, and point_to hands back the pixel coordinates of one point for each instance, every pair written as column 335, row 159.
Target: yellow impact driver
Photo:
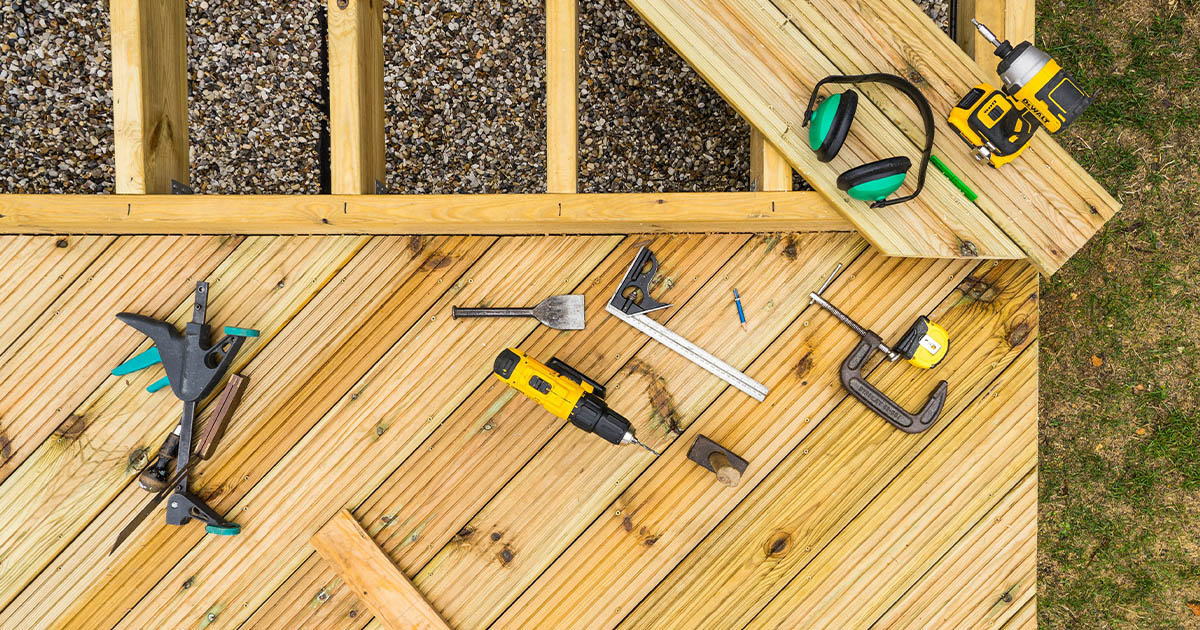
column 566, row 393
column 1036, row 91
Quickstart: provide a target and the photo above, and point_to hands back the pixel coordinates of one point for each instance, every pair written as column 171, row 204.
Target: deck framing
column 366, row 403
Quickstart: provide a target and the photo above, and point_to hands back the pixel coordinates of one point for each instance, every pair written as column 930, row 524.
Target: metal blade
column 153, row 503
column 562, row 312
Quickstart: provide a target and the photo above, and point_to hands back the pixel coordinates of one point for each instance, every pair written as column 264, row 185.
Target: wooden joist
column 356, row 111
column 1043, row 201
column 617, row 213
column 150, row 95
column 562, row 96
column 769, row 170
column 397, row 604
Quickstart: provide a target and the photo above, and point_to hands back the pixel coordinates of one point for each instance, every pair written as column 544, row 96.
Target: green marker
column 941, row 166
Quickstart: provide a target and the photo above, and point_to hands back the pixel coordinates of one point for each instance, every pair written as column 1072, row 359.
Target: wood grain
column 356, row 110
column 562, row 96
column 617, row 213
column 769, row 170
column 397, row 604
column 149, row 69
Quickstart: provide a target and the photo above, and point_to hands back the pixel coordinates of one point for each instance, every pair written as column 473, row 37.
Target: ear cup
column 875, row 180
column 830, row 124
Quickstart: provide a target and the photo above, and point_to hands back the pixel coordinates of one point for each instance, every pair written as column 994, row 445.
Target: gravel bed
column 256, row 114
column 56, row 129
column 464, row 85
column 465, row 100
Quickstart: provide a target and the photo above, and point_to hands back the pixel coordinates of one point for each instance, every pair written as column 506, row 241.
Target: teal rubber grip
column 157, row 385
column 240, row 332
column 140, row 361
column 231, row 529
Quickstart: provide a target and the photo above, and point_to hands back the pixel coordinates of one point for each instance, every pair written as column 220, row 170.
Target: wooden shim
column 82, row 466
column 769, row 170
column 355, row 445
column 738, row 567
column 984, row 579
column 562, row 96
column 388, row 593
column 916, row 519
column 493, row 434
column 617, row 213
column 314, row 361
column 751, row 56
column 679, row 504
column 356, row 111
column 149, row 70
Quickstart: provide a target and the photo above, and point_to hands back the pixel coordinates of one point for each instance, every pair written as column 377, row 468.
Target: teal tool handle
column 240, row 332
column 139, row 361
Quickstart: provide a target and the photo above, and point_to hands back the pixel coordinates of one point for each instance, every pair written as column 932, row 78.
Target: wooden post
column 1008, row 19
column 149, row 68
column 769, row 171
column 356, row 113
column 376, row 581
column 562, row 106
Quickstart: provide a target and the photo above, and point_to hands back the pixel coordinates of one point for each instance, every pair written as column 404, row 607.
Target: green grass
column 1119, row 533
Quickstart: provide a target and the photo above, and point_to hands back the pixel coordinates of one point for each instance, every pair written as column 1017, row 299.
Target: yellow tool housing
column 553, row 391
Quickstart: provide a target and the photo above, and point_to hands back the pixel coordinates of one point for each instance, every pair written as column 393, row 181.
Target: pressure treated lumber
column 149, row 69
column 680, row 504
column 494, row 433
column 922, row 512
column 1044, row 200
column 108, row 435
column 356, row 113
column 344, row 457
column 557, row 495
column 1011, row 19
column 562, row 96
column 985, row 578
column 39, row 396
column 314, row 361
column 620, row 213
column 737, row 568
column 759, row 63
column 769, row 170
column 396, row 603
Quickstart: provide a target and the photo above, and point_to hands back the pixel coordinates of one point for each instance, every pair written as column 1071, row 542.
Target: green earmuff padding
column 877, row 189
column 822, row 120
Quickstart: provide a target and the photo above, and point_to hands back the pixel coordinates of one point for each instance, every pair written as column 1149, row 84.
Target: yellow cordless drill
column 999, row 124
column 566, row 393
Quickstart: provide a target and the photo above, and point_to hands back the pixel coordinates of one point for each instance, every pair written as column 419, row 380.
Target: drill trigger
column 877, row 401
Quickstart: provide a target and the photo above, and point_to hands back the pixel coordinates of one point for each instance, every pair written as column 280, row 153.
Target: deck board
column 358, row 339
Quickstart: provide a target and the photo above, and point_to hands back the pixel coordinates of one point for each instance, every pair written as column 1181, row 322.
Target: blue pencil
column 741, row 315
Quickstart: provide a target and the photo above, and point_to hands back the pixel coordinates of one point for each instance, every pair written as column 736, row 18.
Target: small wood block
column 397, row 604
column 230, row 397
column 707, row 453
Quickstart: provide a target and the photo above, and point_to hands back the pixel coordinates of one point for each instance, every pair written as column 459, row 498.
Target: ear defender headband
column 831, row 124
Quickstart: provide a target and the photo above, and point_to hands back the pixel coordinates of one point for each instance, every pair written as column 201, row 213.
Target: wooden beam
column 149, row 69
column 562, row 92
column 356, row 113
column 769, row 170
column 419, row 214
column 1008, row 19
column 363, row 565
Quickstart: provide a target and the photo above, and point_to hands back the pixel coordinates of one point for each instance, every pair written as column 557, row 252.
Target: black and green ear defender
column 876, row 180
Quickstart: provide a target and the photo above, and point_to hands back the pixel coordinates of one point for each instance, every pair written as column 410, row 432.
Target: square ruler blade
column 638, row 319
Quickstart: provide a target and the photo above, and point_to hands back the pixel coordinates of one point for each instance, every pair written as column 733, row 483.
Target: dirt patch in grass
column 1120, row 441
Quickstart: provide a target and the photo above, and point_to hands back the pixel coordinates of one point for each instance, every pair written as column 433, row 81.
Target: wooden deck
column 365, row 395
